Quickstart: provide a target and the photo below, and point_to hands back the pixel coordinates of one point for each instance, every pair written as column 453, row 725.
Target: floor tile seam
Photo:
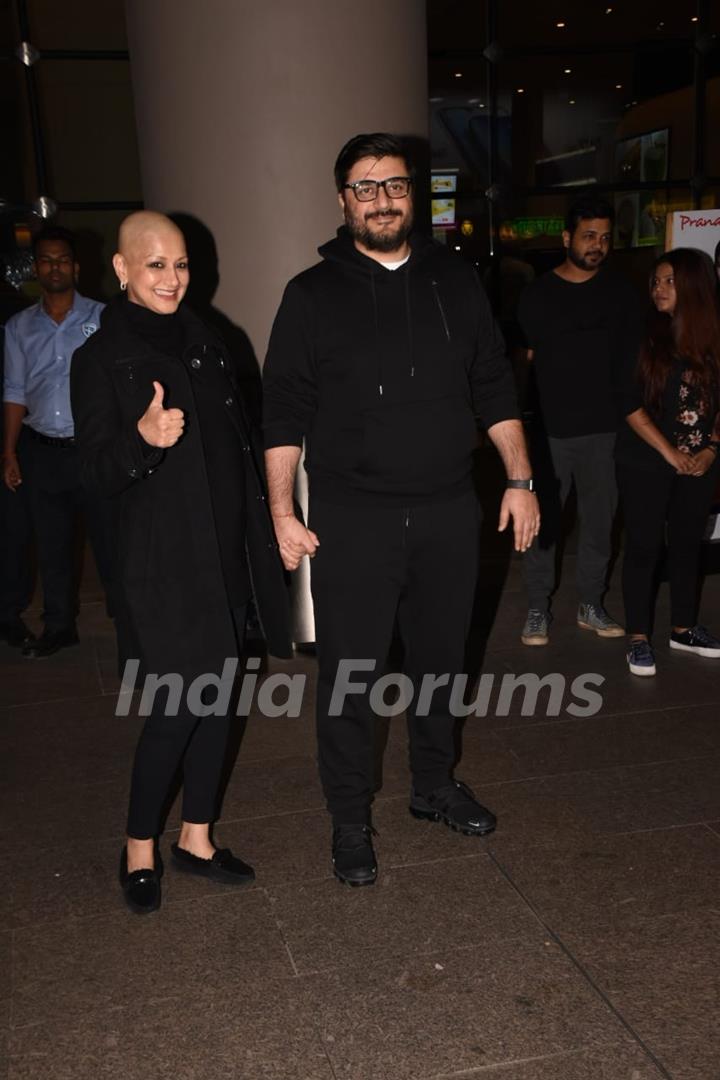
column 98, row 666
column 496, row 728
column 500, row 1066
column 611, row 768
column 388, row 866
column 382, row 954
column 702, row 824
column 583, row 972
column 557, row 720
column 543, row 776
column 44, row 924
column 304, row 810
column 50, row 701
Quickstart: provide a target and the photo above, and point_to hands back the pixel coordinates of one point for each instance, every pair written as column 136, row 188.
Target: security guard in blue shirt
column 39, row 445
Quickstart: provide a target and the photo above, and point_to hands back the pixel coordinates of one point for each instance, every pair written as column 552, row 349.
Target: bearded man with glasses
column 383, row 357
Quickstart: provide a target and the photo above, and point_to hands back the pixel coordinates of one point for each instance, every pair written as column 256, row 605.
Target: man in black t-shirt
column 581, row 323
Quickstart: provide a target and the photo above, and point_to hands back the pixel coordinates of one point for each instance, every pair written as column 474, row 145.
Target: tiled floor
column 579, row 942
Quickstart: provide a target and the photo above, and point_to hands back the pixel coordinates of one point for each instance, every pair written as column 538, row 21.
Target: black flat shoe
column 223, row 866
column 353, row 857
column 141, row 888
column 16, row 634
column 50, row 642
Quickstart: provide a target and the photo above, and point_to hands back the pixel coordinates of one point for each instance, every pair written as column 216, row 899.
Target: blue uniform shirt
column 38, row 352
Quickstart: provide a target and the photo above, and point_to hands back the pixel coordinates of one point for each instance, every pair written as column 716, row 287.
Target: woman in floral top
column 667, row 453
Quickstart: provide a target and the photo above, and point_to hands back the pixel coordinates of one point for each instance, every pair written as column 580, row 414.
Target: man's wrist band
column 526, row 485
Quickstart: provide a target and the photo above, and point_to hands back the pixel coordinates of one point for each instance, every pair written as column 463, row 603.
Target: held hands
column 294, row 540
column 701, row 462
column 683, row 464
column 12, row 476
column 161, row 427
column 522, row 507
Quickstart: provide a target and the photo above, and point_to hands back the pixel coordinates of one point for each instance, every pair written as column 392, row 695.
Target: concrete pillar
column 241, row 110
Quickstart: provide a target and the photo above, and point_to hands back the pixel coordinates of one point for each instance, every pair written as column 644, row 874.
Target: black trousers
column 16, row 582
column 197, row 744
column 57, row 498
column 653, row 502
column 376, row 565
column 588, row 461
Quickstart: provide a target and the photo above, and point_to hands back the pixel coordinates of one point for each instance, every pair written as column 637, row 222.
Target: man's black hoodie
column 384, row 373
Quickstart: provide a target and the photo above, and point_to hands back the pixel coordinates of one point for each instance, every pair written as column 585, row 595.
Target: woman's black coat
column 173, row 610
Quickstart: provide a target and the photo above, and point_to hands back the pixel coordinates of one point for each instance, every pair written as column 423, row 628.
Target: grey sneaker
column 535, row 630
column 595, row 617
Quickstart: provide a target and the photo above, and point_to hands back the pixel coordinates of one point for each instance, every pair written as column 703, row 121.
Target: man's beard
column 581, row 261
column 387, row 240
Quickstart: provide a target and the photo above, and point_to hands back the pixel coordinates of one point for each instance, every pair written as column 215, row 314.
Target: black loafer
column 49, row 642
column 456, row 805
column 141, row 888
column 354, row 861
column 16, row 633
column 223, row 866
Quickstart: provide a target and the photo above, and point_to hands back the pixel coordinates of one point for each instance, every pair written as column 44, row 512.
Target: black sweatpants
column 651, row 501
column 376, row 564
column 199, row 743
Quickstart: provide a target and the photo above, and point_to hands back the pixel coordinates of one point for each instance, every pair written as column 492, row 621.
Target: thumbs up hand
column 161, row 427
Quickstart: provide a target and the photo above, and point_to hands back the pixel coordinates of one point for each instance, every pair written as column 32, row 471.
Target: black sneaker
column 696, row 640
column 456, row 805
column 354, row 861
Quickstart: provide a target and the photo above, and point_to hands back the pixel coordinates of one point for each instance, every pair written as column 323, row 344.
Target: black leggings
column 166, row 741
column 650, row 500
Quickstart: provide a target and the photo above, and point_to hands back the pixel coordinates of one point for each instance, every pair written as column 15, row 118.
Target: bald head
column 142, row 229
column 151, row 261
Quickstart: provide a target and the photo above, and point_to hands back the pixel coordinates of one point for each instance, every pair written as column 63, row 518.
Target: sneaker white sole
column 534, row 640
column 614, row 631
column 635, row 669
column 711, row 654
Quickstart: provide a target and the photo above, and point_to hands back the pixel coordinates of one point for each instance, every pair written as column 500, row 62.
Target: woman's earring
column 123, row 286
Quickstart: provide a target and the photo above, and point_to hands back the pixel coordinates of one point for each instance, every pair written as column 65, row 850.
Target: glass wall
column 532, row 103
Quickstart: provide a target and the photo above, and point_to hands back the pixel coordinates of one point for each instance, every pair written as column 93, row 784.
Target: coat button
column 195, row 363
column 134, row 473
column 228, row 401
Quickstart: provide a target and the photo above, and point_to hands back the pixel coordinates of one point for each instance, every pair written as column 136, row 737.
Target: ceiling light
column 660, row 26
column 571, row 101
column 694, row 18
column 618, row 86
column 458, row 74
column 520, row 90
column 560, row 25
column 608, row 11
column 568, row 71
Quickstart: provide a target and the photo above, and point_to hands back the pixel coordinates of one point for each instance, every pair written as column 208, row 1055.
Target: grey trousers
column 588, row 461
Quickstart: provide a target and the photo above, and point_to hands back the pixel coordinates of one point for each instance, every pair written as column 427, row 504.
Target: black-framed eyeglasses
column 395, row 187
